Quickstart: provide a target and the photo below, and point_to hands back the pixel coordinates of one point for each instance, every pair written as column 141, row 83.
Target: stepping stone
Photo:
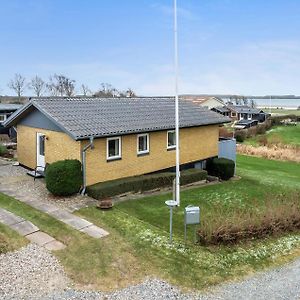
column 24, row 228
column 9, row 218
column 94, row 231
column 55, row 246
column 41, row 238
column 44, row 207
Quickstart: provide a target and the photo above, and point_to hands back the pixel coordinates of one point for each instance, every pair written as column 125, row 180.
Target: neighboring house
column 242, row 124
column 5, row 111
column 242, row 112
column 208, row 101
column 114, row 138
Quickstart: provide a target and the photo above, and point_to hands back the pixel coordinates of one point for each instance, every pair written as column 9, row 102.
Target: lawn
column 279, row 134
column 10, row 240
column 275, row 111
column 138, row 243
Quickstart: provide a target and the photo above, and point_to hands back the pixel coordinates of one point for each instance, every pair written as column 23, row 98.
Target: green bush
column 142, row 183
column 3, row 150
column 64, row 178
column 221, row 167
column 240, row 136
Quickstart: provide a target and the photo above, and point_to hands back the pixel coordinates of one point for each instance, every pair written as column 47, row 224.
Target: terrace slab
column 25, row 228
column 94, row 231
column 41, row 238
column 44, row 207
column 55, row 246
column 9, row 218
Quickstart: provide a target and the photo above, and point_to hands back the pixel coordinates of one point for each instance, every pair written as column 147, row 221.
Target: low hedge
column 142, row 183
column 64, row 178
column 221, row 167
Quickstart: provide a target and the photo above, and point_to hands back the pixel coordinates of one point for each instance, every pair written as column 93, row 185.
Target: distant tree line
column 242, row 100
column 61, row 85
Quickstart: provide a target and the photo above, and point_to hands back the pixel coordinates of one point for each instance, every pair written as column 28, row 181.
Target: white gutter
column 83, row 161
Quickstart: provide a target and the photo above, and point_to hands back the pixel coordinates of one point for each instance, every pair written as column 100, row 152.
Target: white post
column 176, row 107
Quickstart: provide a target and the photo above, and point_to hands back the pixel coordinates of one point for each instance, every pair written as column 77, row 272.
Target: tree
column 107, row 91
column 60, row 85
column 38, row 85
column 130, row 93
column 252, row 103
column 85, row 90
column 18, row 84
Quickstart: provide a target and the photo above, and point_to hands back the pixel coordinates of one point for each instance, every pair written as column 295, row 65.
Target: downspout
column 83, row 161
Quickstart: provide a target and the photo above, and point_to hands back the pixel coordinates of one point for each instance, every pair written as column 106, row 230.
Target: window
column 171, row 140
column 42, row 144
column 2, row 118
column 113, row 148
column 233, row 114
column 143, row 143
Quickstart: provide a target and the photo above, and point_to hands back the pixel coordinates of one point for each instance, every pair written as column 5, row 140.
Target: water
column 284, row 103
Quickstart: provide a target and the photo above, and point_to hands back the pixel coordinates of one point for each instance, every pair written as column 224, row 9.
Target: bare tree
column 37, row 84
column 107, row 91
column 253, row 103
column 60, row 85
column 18, row 85
column 130, row 93
column 85, row 90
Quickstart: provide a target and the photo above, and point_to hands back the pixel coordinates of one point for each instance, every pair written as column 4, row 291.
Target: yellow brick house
column 114, row 137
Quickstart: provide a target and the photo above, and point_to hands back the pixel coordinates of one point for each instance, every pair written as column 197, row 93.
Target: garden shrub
column 142, row 183
column 3, row 150
column 240, row 136
column 64, row 178
column 221, row 167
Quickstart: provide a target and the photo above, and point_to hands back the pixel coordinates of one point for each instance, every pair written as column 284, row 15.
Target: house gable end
column 37, row 119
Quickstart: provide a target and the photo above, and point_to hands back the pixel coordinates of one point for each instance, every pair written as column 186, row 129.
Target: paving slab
column 55, row 246
column 9, row 218
column 41, row 238
column 25, row 228
column 94, row 231
column 44, row 207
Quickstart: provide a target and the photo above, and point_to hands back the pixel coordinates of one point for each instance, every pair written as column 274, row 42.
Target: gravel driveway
column 34, row 273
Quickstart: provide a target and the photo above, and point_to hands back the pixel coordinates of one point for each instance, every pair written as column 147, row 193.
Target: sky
column 225, row 46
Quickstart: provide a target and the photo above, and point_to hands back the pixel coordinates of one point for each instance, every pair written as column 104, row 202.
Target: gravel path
column 30, row 273
column 280, row 283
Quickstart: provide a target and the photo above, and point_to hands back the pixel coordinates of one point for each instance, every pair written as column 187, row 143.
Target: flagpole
column 177, row 180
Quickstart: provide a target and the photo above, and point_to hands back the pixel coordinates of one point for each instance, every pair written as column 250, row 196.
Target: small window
column 113, row 148
column 171, row 139
column 2, row 118
column 233, row 114
column 143, row 143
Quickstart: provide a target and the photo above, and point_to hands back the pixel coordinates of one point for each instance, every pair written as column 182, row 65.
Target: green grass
column 10, row 240
column 279, row 134
column 138, row 243
column 284, row 111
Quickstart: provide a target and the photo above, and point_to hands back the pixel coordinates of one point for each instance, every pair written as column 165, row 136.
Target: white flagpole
column 177, row 183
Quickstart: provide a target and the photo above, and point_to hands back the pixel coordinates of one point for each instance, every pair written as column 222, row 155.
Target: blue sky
column 225, row 46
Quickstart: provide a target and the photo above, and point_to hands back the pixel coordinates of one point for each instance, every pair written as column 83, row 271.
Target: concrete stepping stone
column 41, row 238
column 24, row 228
column 9, row 218
column 55, row 246
column 94, row 231
column 44, row 207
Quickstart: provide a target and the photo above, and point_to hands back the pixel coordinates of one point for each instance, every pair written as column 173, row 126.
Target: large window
column 171, row 137
column 113, row 148
column 2, row 118
column 143, row 143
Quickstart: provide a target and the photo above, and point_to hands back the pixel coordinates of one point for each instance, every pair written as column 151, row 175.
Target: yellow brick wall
column 196, row 143
column 58, row 146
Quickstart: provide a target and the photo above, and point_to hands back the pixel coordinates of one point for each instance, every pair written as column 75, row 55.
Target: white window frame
column 148, row 145
column 4, row 118
column 173, row 146
column 120, row 148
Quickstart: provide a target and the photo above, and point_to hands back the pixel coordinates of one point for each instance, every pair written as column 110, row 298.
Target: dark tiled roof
column 84, row 117
column 222, row 109
column 244, row 109
column 245, row 122
column 9, row 107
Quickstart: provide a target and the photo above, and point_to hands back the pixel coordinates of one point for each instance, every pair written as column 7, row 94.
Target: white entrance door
column 40, row 151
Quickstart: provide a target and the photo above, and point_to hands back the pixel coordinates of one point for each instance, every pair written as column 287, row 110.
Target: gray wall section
column 227, row 149
column 38, row 120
